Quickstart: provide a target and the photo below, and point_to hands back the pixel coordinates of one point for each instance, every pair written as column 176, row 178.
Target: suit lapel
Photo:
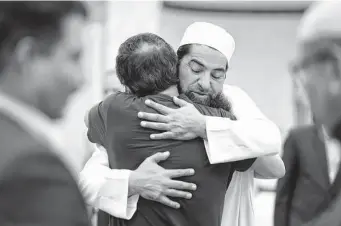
column 336, row 186
column 320, row 159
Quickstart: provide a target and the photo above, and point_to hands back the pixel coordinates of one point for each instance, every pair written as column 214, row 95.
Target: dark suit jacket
column 330, row 217
column 35, row 186
column 304, row 193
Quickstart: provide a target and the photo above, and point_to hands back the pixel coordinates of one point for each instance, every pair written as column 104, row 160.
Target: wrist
column 202, row 127
column 132, row 183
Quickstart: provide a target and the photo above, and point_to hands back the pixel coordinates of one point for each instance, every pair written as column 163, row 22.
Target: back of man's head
column 146, row 64
column 40, row 20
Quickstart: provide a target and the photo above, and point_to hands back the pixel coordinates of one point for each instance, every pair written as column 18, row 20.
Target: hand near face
column 155, row 183
column 184, row 123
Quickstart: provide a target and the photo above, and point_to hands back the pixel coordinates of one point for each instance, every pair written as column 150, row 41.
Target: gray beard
column 217, row 101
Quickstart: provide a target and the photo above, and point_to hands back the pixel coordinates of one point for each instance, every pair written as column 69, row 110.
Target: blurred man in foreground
column 319, row 66
column 40, row 49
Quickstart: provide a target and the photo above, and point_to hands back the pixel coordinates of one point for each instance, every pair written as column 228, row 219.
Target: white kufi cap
column 210, row 35
column 322, row 19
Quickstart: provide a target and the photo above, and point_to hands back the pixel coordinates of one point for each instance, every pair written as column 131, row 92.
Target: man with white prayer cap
column 318, row 65
column 213, row 36
column 204, row 57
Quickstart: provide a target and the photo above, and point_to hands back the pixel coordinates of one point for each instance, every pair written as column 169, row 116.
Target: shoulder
column 17, row 144
column 233, row 90
column 34, row 161
column 236, row 95
column 26, row 158
column 120, row 99
column 45, row 178
column 15, row 141
column 38, row 160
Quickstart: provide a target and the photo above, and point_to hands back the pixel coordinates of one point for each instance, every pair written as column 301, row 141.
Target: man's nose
column 204, row 82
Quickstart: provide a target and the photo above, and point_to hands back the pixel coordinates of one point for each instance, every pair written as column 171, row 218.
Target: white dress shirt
column 252, row 135
column 107, row 189
column 333, row 155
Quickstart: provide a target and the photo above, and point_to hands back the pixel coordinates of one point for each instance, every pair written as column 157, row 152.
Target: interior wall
column 128, row 18
column 264, row 46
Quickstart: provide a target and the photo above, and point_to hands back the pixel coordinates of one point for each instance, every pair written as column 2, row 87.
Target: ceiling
column 241, row 6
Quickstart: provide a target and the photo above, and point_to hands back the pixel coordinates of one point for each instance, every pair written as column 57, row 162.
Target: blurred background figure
column 40, row 51
column 313, row 179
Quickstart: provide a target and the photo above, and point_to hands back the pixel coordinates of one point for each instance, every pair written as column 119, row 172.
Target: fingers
column 180, row 102
column 158, row 157
column 158, row 107
column 178, row 194
column 173, row 173
column 180, row 185
column 166, row 201
column 153, row 117
column 161, row 136
column 155, row 125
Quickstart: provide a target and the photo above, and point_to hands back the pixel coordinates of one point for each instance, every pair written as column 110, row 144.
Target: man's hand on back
column 155, row 183
column 184, row 123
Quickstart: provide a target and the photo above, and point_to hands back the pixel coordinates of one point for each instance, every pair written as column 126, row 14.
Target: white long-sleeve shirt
column 251, row 135
column 107, row 189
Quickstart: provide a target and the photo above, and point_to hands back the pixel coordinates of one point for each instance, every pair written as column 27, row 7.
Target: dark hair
column 38, row 19
column 183, row 51
column 146, row 64
column 186, row 49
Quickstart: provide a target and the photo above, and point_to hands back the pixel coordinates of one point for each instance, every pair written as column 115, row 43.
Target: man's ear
column 24, row 50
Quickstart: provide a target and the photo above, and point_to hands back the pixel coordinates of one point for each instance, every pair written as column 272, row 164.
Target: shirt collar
column 325, row 133
column 26, row 115
column 33, row 121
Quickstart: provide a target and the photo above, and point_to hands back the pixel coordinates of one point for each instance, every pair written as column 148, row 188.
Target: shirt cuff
column 113, row 196
column 217, row 131
column 223, row 145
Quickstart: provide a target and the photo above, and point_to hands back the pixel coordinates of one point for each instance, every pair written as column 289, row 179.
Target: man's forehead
column 208, row 55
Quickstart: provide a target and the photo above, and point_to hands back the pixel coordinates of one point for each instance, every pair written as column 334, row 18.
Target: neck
column 15, row 88
column 171, row 91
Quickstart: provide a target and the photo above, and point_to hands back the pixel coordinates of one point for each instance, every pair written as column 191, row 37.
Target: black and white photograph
column 170, row 113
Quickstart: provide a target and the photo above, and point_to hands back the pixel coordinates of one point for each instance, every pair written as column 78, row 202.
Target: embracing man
column 203, row 62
